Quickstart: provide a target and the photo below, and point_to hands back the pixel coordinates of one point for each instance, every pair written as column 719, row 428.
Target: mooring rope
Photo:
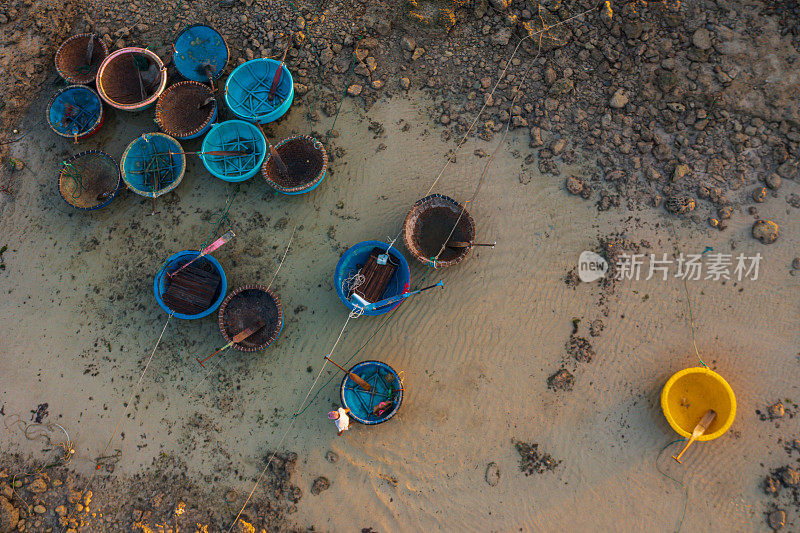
column 680, row 483
column 135, row 390
column 283, row 258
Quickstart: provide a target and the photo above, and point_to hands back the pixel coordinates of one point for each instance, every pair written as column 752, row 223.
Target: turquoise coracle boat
column 248, row 87
column 378, row 404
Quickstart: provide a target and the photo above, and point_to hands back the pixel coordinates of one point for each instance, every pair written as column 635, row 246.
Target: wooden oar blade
column 701, row 426
column 219, row 242
column 249, row 331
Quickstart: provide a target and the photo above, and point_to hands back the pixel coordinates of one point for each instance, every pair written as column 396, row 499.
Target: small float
column 200, row 53
column 306, row 164
column 253, row 309
column 378, row 404
column 131, row 79
column 186, row 110
column 690, row 394
column 371, row 272
column 249, row 95
column 190, row 291
column 75, row 112
column 89, row 180
column 79, row 57
column 153, row 165
column 439, row 226
column 244, row 139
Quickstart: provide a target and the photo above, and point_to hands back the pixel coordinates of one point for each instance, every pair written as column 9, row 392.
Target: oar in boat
column 260, row 323
column 277, row 78
column 207, row 250
column 282, row 168
column 361, row 383
column 462, row 244
column 699, row 429
column 138, row 67
column 221, row 153
column 205, row 102
column 209, row 70
column 400, row 297
column 90, row 50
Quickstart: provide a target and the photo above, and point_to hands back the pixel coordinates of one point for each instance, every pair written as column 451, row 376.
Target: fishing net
column 131, row 76
column 306, row 161
column 179, row 112
column 72, row 58
column 428, row 227
column 242, row 309
column 89, row 180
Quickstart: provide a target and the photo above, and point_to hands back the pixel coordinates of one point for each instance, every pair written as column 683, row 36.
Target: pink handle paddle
column 208, row 249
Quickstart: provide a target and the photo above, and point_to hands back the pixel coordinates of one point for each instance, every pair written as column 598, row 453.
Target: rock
column 760, row 194
column 405, row 83
column 294, row 494
column 633, row 29
column 377, row 84
column 580, row 348
column 558, row 146
column 574, row 184
column 492, row 475
column 561, row 380
column 300, row 89
column 777, row 519
column 777, row 410
column 243, row 527
column 500, row 5
column 320, row 484
column 702, row 39
column 9, row 516
column 418, row 52
column 39, row 509
column 332, row 456
column 767, row 232
column 37, row 486
column 773, row 181
column 61, row 510
column 796, row 266
column 680, row 171
column 790, row 477
column 355, row 89
column 680, row 204
column 407, row 43
column 771, row 485
column 550, row 75
column 501, row 36
column 666, row 80
column 618, row 100
column 724, row 212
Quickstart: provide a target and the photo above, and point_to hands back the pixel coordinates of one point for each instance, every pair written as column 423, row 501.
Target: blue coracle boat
column 350, row 265
column 381, row 402
column 248, row 86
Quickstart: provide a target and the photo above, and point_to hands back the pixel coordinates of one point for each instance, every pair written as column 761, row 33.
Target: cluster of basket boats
column 369, row 277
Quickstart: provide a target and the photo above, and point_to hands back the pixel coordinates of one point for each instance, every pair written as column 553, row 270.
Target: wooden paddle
column 699, row 429
column 282, row 168
column 277, row 78
column 462, row 244
column 223, row 153
column 90, row 50
column 207, row 250
column 209, row 70
column 363, row 384
column 206, row 102
column 260, row 323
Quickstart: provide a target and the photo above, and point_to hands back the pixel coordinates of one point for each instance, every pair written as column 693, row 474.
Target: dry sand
column 79, row 322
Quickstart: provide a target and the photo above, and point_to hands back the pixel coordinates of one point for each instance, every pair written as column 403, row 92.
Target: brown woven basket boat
column 427, row 226
column 71, row 58
column 178, row 113
column 240, row 311
column 307, row 162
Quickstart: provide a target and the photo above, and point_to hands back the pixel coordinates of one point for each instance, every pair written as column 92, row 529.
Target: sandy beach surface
column 80, row 324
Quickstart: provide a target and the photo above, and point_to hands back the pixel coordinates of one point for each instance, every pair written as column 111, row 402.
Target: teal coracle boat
column 234, row 136
column 153, row 164
column 248, row 87
column 75, row 112
column 378, row 404
column 198, row 49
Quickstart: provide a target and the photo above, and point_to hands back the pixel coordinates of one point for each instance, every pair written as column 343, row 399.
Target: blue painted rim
column 349, row 385
column 244, row 73
column 189, row 68
column 210, row 143
column 340, row 274
column 159, row 284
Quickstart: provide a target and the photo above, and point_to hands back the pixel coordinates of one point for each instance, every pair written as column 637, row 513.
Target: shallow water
column 80, row 322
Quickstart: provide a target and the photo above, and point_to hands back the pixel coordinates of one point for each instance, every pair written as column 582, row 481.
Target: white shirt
column 343, row 422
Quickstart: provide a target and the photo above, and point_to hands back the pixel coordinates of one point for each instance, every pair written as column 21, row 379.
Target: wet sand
column 80, row 322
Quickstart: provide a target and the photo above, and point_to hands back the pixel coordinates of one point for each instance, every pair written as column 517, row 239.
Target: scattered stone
column 355, row 89
column 771, row 485
column 777, row 519
column 702, row 39
column 776, row 410
column 796, row 266
column 405, row 83
column 332, row 456
column 241, row 526
column 765, row 231
column 580, row 348
column 320, row 484
column 408, row 43
column 618, row 100
column 790, row 477
column 680, row 171
column 492, row 475
column 39, row 509
column 596, row 327
column 561, row 380
column 532, row 460
column 37, row 486
column 574, row 185
column 760, row 194
column 9, row 515
column 773, row 181
column 679, row 204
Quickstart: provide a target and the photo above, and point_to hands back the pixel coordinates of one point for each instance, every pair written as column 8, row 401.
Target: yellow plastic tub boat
column 690, row 393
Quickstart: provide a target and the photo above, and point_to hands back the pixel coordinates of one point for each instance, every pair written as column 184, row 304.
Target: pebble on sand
column 492, row 475
column 574, row 185
column 777, row 519
column 355, row 89
column 765, row 231
column 618, row 100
